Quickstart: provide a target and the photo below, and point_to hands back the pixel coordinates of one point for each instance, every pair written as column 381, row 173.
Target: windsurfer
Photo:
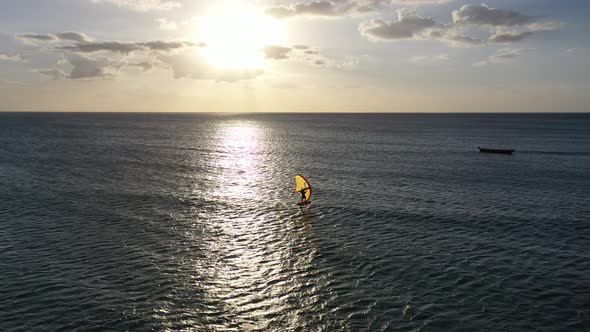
column 303, row 187
column 303, row 191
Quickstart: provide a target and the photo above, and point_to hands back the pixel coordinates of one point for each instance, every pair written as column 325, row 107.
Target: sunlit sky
column 295, row 56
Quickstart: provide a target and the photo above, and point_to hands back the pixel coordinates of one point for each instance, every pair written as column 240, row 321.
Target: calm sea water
column 188, row 222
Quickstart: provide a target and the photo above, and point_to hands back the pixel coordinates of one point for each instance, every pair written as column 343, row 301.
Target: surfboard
column 302, row 183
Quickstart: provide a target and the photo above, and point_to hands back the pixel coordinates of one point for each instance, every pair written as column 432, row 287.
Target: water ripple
column 184, row 222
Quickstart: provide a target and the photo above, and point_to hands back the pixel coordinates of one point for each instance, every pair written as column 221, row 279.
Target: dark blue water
column 188, row 222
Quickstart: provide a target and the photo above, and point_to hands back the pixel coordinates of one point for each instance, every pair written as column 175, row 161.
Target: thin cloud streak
column 143, row 5
column 503, row 56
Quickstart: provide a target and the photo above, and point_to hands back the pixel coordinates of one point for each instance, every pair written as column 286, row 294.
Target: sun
column 236, row 33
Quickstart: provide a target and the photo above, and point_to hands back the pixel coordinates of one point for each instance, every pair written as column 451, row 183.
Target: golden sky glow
column 294, row 55
column 236, row 34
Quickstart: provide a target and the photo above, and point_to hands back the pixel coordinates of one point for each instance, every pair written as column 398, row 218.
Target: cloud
column 325, row 8
column 304, row 54
column 276, row 52
column 85, row 68
column 343, row 63
column 73, row 36
column 191, row 65
column 145, row 65
column 143, row 5
column 420, row 2
column 411, row 25
column 124, row 47
column 11, row 58
column 484, row 15
column 408, row 25
column 54, row 73
column 160, row 45
column 506, row 26
column 37, row 36
column 460, row 40
column 429, row 59
column 167, row 25
column 367, row 6
column 182, row 58
column 110, row 46
column 314, row 8
column 510, row 26
column 509, row 37
column 544, row 26
column 515, row 34
column 338, row 8
column 502, row 56
column 307, row 55
column 509, row 53
column 65, row 36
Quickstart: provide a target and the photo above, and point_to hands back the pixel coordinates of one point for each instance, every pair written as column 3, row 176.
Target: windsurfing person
column 303, row 187
column 303, row 191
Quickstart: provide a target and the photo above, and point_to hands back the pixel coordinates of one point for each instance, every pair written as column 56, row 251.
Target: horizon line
column 266, row 112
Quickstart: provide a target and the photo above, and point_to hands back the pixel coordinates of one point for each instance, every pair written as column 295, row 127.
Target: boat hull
column 501, row 151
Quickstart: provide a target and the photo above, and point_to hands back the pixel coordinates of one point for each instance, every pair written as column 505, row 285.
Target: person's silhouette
column 303, row 191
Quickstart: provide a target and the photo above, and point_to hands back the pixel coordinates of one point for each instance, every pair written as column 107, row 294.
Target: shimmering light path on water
column 187, row 222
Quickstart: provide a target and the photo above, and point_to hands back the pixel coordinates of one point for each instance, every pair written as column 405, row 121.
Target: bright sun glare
column 236, row 33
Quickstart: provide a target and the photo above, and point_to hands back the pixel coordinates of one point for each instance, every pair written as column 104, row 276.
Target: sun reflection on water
column 239, row 162
column 259, row 254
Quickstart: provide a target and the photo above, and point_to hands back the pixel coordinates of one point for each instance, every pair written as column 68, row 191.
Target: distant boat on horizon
column 502, row 151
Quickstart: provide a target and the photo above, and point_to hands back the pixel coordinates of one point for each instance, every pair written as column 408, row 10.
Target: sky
column 295, row 56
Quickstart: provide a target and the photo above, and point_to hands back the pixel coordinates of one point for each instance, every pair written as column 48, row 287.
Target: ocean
column 164, row 222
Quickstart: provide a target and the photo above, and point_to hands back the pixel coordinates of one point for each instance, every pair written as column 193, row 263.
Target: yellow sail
column 302, row 183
